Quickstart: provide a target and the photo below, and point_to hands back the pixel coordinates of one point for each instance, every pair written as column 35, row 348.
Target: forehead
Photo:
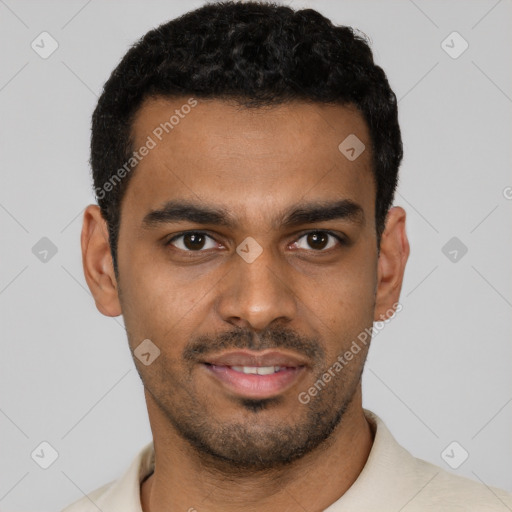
column 245, row 159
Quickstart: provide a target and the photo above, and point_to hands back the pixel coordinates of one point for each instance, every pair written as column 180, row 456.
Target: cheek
column 356, row 271
column 343, row 298
column 157, row 302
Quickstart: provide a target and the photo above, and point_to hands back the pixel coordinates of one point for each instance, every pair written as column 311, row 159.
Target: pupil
column 197, row 241
column 313, row 240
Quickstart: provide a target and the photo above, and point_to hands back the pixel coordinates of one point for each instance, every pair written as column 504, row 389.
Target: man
column 245, row 158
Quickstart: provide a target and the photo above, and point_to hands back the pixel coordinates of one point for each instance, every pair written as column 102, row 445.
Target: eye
column 319, row 240
column 197, row 241
column 193, row 241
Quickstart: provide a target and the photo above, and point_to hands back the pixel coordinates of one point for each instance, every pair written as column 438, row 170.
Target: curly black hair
column 257, row 54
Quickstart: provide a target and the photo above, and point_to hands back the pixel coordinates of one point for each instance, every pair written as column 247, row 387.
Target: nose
column 255, row 294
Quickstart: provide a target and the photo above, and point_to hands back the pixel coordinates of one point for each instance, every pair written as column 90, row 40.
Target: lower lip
column 251, row 385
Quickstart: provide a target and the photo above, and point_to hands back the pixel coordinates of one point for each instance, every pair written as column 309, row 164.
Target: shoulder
column 122, row 494
column 405, row 482
column 445, row 491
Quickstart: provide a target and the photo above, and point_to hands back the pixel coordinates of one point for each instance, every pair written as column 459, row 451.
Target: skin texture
column 216, row 451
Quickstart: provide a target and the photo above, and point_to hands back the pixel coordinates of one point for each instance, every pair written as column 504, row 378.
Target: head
column 230, row 124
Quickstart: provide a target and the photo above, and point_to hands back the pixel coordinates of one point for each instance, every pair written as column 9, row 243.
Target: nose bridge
column 256, row 291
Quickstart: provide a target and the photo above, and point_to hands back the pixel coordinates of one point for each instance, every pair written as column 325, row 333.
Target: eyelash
column 342, row 241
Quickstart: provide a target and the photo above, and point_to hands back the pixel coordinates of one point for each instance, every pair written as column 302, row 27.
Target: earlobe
column 97, row 262
column 394, row 252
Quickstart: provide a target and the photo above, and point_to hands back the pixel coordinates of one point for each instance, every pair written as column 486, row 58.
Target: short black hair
column 257, row 54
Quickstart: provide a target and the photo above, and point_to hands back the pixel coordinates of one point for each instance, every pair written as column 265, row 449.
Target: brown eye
column 193, row 241
column 319, row 241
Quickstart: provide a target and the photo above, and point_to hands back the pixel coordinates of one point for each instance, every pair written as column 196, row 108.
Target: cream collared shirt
column 392, row 480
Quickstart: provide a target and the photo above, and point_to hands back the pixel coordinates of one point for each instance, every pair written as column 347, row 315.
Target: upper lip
column 261, row 358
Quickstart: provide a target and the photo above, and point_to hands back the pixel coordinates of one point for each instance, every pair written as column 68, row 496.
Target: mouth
column 256, row 375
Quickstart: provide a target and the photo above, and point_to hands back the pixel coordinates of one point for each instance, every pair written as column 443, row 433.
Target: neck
column 181, row 482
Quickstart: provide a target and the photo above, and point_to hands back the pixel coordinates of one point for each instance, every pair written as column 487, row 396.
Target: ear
column 394, row 252
column 97, row 262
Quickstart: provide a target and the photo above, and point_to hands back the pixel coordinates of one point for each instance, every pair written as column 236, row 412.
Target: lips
column 262, row 358
column 256, row 374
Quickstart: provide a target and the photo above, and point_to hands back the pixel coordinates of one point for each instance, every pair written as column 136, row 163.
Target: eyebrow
column 305, row 213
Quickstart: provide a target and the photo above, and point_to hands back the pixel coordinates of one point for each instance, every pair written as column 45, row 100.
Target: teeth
column 259, row 370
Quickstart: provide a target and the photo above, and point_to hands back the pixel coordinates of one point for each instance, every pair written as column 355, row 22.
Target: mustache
column 240, row 338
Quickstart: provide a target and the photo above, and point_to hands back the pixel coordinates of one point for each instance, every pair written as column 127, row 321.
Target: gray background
column 439, row 372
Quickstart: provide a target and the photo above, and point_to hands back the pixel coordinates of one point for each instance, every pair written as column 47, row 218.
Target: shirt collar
column 387, row 477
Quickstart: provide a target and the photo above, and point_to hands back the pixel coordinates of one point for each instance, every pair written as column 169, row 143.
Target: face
column 247, row 254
